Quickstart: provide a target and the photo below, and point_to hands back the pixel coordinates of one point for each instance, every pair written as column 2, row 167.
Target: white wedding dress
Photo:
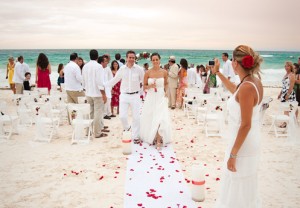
column 239, row 189
column 155, row 114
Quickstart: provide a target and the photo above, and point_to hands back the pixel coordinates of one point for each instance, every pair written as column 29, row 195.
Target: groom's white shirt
column 131, row 79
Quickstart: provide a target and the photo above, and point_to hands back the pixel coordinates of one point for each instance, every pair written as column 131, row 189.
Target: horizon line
column 187, row 49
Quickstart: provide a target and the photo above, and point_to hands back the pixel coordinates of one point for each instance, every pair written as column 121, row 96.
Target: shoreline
column 265, row 86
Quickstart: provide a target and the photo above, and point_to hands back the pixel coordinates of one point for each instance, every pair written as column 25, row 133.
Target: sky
column 155, row 24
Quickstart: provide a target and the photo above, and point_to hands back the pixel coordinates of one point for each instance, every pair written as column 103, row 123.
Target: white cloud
column 191, row 24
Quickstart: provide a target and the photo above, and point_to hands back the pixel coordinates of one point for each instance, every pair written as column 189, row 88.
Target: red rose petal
column 101, row 178
column 140, row 204
column 217, row 179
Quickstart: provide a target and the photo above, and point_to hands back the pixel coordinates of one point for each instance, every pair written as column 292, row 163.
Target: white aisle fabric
column 154, row 179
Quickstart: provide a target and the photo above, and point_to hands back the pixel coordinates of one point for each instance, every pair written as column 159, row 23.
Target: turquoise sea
column 272, row 67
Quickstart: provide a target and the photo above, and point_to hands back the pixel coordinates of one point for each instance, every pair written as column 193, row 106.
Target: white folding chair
column 41, row 91
column 8, row 123
column 24, row 110
column 280, row 118
column 79, row 115
column 46, row 123
column 264, row 106
column 214, row 118
column 190, row 101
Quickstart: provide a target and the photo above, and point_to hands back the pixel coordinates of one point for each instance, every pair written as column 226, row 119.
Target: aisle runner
column 154, row 180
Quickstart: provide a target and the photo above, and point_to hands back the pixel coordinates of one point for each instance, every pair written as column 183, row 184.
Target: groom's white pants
column 134, row 102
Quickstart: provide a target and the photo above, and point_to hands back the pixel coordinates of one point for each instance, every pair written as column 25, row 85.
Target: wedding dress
column 155, row 114
column 239, row 189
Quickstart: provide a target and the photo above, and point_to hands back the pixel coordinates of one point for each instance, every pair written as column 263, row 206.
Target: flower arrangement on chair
column 143, row 55
column 219, row 108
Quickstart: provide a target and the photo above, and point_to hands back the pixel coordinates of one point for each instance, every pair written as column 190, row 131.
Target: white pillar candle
column 127, row 143
column 198, row 184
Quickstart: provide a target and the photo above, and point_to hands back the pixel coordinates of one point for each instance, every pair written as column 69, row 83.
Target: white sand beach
column 58, row 174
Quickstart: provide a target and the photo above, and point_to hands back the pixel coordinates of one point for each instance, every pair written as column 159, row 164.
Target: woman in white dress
column 155, row 118
column 239, row 181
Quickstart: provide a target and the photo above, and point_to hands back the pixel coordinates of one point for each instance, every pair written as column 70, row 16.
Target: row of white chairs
column 209, row 110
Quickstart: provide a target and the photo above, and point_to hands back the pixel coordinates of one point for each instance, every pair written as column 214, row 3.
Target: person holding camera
column 239, row 180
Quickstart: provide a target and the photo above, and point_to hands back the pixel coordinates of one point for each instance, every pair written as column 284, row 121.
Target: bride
column 155, row 119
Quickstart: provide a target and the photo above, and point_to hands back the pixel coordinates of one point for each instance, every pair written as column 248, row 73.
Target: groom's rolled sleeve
column 114, row 80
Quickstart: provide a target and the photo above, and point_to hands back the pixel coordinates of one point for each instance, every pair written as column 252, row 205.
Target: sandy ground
column 58, row 174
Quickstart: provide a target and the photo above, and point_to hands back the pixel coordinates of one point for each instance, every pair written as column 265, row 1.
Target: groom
column 132, row 77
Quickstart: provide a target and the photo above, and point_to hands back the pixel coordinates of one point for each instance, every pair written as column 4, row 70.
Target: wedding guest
column 287, row 92
column 198, row 77
column 203, row 74
column 166, row 67
column 103, row 61
column 80, row 63
column 239, row 181
column 142, row 92
column 20, row 69
column 146, row 67
column 116, row 89
column 173, row 82
column 73, row 80
column 26, row 84
column 118, row 59
column 92, row 74
column 212, row 79
column 297, row 83
column 43, row 71
column 61, row 76
column 191, row 76
column 183, row 82
column 122, row 61
column 10, row 67
column 132, row 77
column 227, row 68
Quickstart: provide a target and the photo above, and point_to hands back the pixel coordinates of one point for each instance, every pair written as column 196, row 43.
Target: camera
column 211, row 63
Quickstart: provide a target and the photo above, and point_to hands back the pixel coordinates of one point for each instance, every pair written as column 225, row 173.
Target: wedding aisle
column 154, row 179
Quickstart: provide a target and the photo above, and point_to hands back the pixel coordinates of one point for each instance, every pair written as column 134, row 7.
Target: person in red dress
column 116, row 89
column 43, row 71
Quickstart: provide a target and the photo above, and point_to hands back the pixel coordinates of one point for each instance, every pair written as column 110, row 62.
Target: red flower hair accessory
column 247, row 62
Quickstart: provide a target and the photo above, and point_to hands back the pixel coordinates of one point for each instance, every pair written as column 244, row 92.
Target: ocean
column 272, row 67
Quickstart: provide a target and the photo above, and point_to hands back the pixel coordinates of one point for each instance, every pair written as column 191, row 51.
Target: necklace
column 243, row 80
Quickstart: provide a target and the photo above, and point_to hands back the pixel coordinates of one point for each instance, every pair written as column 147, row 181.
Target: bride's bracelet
column 233, row 156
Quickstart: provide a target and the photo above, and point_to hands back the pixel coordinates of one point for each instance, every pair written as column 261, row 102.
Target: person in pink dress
column 43, row 71
column 116, row 89
column 182, row 82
